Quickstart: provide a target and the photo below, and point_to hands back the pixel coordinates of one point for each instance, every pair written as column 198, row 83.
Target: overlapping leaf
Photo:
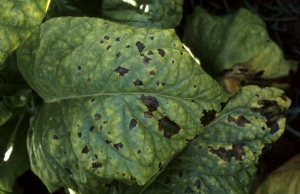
column 222, row 158
column 120, row 101
column 17, row 18
column 149, row 14
column 237, row 47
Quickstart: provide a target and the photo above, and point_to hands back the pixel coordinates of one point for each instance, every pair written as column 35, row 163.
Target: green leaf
column 17, row 18
column 140, row 13
column 236, row 46
column 120, row 101
column 222, row 158
column 13, row 132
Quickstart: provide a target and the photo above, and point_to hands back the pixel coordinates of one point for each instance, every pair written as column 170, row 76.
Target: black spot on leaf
column 146, row 60
column 160, row 167
column 121, row 71
column 197, row 184
column 68, row 170
column 139, row 152
column 89, row 80
column 157, row 83
column 128, row 46
column 97, row 116
column 106, row 121
column 150, row 53
column 152, row 37
column 101, row 127
column 85, row 150
column 97, row 165
column 181, row 53
column 118, row 55
column 79, row 134
column 108, row 47
column 55, row 137
column 163, row 83
column 132, row 178
column 167, row 180
column 237, row 151
column 132, row 124
column 138, row 82
column 96, row 156
column 106, row 37
column 180, row 174
column 93, row 100
column 79, row 68
column 117, row 39
column 118, row 146
column 152, row 72
column 107, row 141
column 140, row 46
column 273, row 126
column 240, row 120
column 92, row 128
column 151, row 102
column 207, row 117
column 169, row 127
column 173, row 61
column 161, row 52
column 101, row 41
column 189, row 190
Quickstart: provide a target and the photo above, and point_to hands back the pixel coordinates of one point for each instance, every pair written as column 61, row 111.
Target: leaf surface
column 148, row 14
column 222, row 158
column 17, row 18
column 120, row 101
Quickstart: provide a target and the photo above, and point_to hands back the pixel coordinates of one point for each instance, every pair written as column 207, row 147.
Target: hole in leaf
column 207, row 117
column 240, row 120
column 273, row 126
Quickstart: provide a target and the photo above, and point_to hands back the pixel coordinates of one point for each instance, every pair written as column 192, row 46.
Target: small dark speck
column 92, row 128
column 138, row 82
column 89, row 80
column 189, row 190
column 181, row 53
column 106, row 37
column 107, row 141
column 108, row 47
column 97, row 116
column 152, row 72
column 79, row 68
column 106, row 121
column 101, row 41
column 93, row 100
column 163, row 83
column 150, row 53
column 128, row 46
column 55, row 137
column 97, row 165
column 118, row 55
column 173, row 61
column 117, row 39
column 152, row 37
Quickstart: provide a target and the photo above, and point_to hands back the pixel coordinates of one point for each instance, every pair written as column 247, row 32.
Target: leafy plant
column 126, row 109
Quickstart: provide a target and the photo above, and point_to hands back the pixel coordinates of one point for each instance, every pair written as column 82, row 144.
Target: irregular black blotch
column 68, row 170
column 118, row 146
column 106, row 37
column 150, row 53
column 167, row 180
column 138, row 82
column 92, row 127
column 161, row 52
column 79, row 134
column 122, row 71
column 197, row 184
column 107, row 141
column 117, row 39
column 169, row 127
column 146, row 60
column 85, row 150
column 240, row 121
column 237, row 151
column 55, row 137
column 152, row 37
column 97, row 165
column 189, row 190
column 180, row 174
column 108, row 47
column 152, row 72
column 273, row 126
column 151, row 102
column 207, row 117
column 97, row 116
column 132, row 124
column 118, row 55
column 140, row 46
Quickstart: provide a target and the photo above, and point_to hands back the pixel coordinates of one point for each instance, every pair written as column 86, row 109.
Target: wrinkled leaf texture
column 17, row 20
column 120, row 101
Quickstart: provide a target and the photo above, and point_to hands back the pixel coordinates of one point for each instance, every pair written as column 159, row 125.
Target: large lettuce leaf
column 120, row 102
column 235, row 46
column 17, row 18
